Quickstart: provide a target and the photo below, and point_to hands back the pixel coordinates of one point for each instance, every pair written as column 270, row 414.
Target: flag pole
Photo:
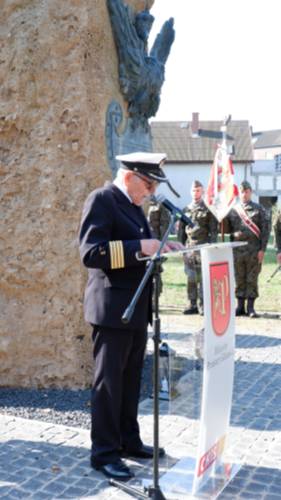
column 224, row 146
column 221, row 192
column 222, row 231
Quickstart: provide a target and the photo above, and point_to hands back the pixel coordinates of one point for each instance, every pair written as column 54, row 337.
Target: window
column 278, row 163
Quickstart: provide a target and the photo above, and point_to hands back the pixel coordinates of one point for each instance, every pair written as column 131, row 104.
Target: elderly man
column 250, row 224
column 205, row 230
column 113, row 231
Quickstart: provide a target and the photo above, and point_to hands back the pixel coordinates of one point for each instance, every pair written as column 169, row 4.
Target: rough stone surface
column 58, row 73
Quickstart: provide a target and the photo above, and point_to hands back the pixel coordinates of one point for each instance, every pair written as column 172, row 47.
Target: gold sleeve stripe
column 116, row 254
column 121, row 254
column 112, row 255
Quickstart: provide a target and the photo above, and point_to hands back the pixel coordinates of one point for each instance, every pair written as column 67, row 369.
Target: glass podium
column 182, row 409
column 196, row 390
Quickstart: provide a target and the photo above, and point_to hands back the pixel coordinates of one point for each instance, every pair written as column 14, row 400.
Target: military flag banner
column 222, row 192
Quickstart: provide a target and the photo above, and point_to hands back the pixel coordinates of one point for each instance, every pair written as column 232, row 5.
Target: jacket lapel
column 134, row 213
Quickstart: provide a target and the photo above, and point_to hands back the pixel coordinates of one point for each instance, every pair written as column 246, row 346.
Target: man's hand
column 238, row 235
column 260, row 256
column 151, row 246
column 278, row 257
column 174, row 245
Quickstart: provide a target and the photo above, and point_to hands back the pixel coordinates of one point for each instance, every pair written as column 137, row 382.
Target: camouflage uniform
column 205, row 231
column 247, row 267
column 277, row 231
column 158, row 218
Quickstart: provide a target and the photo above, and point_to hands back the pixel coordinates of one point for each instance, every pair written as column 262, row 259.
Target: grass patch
column 174, row 284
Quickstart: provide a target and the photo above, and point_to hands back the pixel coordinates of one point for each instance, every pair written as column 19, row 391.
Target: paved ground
column 47, row 461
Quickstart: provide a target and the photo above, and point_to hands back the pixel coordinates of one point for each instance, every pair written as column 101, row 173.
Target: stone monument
column 58, row 79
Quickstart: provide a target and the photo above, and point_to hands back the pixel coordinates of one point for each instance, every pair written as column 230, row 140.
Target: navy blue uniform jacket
column 110, row 234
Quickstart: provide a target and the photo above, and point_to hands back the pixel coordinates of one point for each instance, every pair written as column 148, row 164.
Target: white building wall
column 267, row 180
column 181, row 177
column 265, row 183
column 266, row 153
column 278, row 183
column 264, row 167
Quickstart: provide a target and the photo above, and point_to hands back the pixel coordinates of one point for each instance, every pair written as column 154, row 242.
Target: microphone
column 180, row 215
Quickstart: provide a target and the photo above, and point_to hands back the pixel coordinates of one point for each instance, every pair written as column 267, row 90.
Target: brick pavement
column 47, row 461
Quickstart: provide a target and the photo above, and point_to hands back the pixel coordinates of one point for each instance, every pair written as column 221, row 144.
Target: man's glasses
column 148, row 183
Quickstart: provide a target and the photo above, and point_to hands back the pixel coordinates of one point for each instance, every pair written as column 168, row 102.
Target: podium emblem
column 220, row 296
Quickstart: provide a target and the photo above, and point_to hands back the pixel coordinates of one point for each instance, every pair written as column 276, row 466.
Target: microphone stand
column 154, row 268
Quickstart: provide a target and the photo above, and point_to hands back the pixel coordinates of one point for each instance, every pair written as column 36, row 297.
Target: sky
column 226, row 59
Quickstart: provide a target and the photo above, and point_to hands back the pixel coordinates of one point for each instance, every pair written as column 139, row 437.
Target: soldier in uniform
column 158, row 218
column 253, row 229
column 113, row 231
column 204, row 231
column 277, row 235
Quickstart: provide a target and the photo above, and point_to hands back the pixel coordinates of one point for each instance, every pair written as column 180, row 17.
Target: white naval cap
column 148, row 164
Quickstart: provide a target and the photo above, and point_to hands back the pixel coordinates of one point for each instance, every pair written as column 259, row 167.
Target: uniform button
column 141, row 229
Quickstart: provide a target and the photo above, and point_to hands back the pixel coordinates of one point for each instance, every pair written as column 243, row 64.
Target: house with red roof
column 190, row 147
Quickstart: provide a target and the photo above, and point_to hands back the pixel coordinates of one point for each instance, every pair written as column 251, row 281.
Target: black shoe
column 116, row 470
column 253, row 314
column 240, row 312
column 240, row 309
column 250, row 309
column 191, row 310
column 145, row 451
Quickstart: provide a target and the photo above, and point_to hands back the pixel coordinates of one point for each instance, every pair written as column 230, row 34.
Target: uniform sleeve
column 277, row 232
column 264, row 228
column 97, row 248
column 164, row 220
column 181, row 234
column 213, row 229
column 153, row 218
column 228, row 227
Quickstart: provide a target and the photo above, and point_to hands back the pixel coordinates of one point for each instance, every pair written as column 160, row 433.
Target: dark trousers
column 118, row 356
column 192, row 268
column 247, row 269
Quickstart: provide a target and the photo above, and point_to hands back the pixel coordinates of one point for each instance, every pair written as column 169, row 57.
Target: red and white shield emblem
column 220, row 296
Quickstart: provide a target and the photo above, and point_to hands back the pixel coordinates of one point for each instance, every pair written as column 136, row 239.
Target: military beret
column 245, row 185
column 148, row 164
column 196, row 184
